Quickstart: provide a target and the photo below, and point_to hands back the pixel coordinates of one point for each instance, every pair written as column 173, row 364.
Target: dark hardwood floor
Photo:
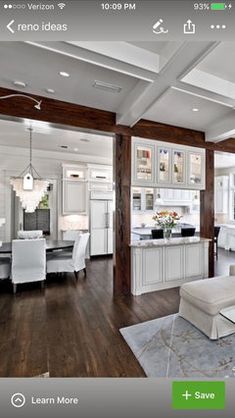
column 71, row 329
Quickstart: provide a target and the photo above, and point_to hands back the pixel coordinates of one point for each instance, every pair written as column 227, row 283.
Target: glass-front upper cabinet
column 149, row 199
column 143, row 164
column 179, row 167
column 164, row 165
column 196, row 169
column 161, row 164
column 142, row 199
column 136, row 199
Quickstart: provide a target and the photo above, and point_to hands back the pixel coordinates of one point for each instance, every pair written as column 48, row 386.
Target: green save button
column 198, row 395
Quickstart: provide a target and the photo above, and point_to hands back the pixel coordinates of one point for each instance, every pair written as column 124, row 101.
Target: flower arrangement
column 166, row 219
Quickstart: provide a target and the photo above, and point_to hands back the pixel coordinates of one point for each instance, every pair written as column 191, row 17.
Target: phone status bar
column 119, row 20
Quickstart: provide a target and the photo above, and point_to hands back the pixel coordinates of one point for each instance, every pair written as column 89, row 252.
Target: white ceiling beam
column 210, row 82
column 204, row 94
column 123, row 51
column 81, row 54
column 183, row 61
column 223, row 129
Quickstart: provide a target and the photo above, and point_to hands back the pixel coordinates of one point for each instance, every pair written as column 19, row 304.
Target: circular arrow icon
column 18, row 400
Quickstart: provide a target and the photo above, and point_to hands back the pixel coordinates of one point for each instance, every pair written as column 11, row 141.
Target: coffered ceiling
column 189, row 84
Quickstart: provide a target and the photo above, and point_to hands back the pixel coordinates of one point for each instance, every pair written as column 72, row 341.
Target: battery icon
column 218, row 6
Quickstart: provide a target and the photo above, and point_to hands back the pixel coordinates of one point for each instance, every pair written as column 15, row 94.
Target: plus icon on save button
column 187, row 395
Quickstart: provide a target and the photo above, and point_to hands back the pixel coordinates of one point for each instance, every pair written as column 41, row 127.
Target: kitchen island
column 166, row 263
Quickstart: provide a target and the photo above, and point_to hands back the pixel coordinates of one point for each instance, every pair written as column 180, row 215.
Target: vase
column 167, row 233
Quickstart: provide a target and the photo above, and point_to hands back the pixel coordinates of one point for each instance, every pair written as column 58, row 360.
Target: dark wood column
column 122, row 219
column 207, row 208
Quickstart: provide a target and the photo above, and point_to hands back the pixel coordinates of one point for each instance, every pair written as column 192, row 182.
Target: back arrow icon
column 9, row 26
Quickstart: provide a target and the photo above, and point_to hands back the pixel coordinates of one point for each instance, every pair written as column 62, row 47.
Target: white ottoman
column 202, row 300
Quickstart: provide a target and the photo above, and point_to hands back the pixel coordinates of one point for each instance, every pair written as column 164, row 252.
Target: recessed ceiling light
column 51, row 91
column 75, row 149
column 112, row 88
column 63, row 146
column 195, row 109
column 19, row 83
column 64, row 74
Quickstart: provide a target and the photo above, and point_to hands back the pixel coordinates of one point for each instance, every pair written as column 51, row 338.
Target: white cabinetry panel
column 101, row 227
column 74, row 197
column 152, row 266
column 175, row 270
column 193, row 261
column 98, row 242
column 164, row 266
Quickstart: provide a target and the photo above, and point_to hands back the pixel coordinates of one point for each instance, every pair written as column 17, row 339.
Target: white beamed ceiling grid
column 160, row 81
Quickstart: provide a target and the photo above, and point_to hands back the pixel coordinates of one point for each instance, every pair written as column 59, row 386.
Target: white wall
column 48, row 164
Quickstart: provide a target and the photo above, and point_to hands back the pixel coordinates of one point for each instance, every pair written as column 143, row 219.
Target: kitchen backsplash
column 138, row 219
column 73, row 222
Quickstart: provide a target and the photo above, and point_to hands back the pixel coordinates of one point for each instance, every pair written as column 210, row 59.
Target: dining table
column 51, row 245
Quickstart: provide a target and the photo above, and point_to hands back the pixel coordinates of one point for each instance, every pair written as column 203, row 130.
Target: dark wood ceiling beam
column 56, row 111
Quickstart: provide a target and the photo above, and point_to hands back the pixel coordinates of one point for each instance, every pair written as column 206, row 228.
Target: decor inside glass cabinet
column 195, row 168
column 164, row 165
column 144, row 163
column 178, row 167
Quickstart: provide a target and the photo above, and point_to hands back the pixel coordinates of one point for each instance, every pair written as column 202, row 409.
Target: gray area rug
column 172, row 347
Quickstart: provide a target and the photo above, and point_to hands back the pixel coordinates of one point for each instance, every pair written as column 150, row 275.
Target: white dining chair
column 5, row 268
column 73, row 262
column 29, row 234
column 28, row 261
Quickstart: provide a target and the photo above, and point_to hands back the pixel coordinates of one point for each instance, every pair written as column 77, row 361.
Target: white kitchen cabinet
column 163, row 264
column 196, row 169
column 74, row 189
column 100, row 177
column 174, row 271
column 143, row 163
column 101, row 173
column 74, row 197
column 152, row 267
column 142, row 199
column 74, row 172
column 193, row 261
column 163, row 165
column 101, row 227
column 178, row 175
column 159, row 164
column 221, row 194
column 174, row 197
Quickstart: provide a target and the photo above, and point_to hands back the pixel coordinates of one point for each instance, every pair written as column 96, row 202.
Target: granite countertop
column 167, row 242
column 76, row 229
column 147, row 230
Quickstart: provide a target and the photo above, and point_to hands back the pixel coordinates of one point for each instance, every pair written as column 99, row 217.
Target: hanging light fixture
column 29, row 186
column 9, row 96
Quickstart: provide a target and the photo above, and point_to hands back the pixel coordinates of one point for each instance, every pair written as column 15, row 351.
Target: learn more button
column 198, row 395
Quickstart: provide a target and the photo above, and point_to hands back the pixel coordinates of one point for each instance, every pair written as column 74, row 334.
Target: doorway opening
column 78, row 166
column 224, row 229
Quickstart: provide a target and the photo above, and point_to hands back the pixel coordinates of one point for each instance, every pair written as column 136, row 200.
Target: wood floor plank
column 72, row 328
